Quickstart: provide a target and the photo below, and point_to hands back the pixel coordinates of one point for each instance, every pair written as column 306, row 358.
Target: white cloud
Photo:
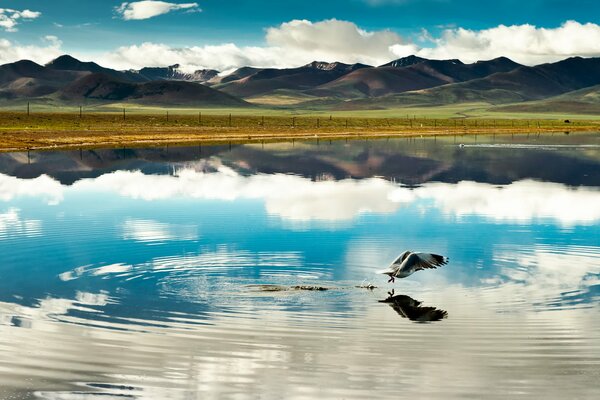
column 290, row 44
column 332, row 40
column 221, row 57
column 146, row 9
column 526, row 43
column 9, row 18
column 11, row 51
column 299, row 42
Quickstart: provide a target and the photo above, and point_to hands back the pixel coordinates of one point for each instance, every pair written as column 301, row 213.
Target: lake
column 182, row 273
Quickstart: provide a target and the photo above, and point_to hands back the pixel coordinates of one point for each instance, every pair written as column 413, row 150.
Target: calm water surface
column 170, row 273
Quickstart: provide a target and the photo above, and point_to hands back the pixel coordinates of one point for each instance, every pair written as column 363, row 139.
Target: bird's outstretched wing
column 395, row 266
column 419, row 261
column 402, row 257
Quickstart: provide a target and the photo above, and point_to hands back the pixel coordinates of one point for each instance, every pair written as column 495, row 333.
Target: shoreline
column 40, row 132
column 61, row 140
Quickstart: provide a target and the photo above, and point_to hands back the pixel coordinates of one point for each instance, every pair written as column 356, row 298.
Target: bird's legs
column 392, row 279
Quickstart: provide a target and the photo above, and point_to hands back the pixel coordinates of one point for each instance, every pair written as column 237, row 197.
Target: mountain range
column 573, row 83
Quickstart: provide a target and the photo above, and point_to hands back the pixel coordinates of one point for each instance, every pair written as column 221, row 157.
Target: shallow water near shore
column 248, row 271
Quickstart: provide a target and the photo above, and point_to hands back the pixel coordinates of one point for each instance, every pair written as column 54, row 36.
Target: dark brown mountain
column 403, row 82
column 174, row 72
column 26, row 79
column 68, row 63
column 405, row 62
column 416, row 75
column 266, row 80
column 521, row 84
column 239, row 73
column 375, row 82
column 103, row 88
column 544, row 80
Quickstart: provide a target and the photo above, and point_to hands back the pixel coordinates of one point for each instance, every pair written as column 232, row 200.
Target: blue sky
column 95, row 28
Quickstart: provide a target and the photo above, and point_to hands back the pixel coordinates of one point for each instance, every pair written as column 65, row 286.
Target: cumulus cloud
column 299, row 42
column 526, row 43
column 290, row 44
column 9, row 18
column 49, row 49
column 333, row 40
column 220, row 57
column 146, row 9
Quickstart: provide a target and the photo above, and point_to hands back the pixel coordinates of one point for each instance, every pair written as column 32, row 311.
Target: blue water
column 172, row 273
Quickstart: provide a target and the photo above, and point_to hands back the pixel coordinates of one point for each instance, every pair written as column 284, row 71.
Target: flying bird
column 408, row 263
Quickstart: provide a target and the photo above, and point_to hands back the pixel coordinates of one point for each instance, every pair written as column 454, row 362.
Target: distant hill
column 239, row 73
column 174, row 72
column 266, row 80
column 404, row 62
column 26, row 79
column 532, row 83
column 101, row 87
column 375, row 82
column 408, row 74
column 570, row 84
column 520, row 85
column 582, row 101
column 68, row 63
column 69, row 80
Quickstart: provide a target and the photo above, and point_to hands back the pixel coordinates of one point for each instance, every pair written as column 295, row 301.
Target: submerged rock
column 368, row 287
column 310, row 288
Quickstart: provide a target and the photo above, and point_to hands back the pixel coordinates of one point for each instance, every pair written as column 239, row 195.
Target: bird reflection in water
column 407, row 307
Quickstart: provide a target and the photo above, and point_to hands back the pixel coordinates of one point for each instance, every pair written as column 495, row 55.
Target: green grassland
column 542, row 110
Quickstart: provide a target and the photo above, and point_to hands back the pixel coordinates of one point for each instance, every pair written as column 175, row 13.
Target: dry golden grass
column 19, row 131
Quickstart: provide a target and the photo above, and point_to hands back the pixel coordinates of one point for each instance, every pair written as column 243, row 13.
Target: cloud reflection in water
column 295, row 198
